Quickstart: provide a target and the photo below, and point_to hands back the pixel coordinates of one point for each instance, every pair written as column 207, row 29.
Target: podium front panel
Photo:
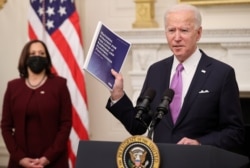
column 97, row 154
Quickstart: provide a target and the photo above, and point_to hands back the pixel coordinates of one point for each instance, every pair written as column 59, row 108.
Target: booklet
column 107, row 51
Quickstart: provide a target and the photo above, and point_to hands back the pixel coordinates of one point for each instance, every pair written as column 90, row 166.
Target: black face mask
column 37, row 63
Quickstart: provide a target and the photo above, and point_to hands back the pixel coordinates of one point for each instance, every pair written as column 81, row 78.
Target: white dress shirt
column 190, row 66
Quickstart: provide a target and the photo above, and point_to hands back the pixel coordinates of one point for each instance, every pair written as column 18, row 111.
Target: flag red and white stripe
column 56, row 22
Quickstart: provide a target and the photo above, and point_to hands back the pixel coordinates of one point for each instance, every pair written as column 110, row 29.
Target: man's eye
column 171, row 30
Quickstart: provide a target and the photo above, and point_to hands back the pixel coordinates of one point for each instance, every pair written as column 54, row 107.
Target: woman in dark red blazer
column 36, row 117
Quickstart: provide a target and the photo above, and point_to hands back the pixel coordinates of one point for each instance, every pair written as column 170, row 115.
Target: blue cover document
column 107, row 50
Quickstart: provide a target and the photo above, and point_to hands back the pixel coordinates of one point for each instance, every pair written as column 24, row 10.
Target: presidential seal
column 138, row 152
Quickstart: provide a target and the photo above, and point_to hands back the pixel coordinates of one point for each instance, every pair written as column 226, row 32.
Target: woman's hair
column 22, row 64
column 186, row 7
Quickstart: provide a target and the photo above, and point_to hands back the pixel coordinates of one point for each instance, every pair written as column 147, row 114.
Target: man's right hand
column 117, row 91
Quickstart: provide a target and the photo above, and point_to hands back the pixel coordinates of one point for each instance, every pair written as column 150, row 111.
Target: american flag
column 56, row 22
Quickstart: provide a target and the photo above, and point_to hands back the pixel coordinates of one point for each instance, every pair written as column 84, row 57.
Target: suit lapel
column 168, row 117
column 165, row 84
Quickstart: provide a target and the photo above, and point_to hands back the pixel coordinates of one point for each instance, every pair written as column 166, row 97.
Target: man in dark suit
column 210, row 111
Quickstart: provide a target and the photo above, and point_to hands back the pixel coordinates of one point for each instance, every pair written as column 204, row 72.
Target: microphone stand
column 158, row 117
column 153, row 123
column 151, row 128
column 162, row 109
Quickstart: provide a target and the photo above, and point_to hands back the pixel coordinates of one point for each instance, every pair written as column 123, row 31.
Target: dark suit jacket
column 213, row 118
column 53, row 115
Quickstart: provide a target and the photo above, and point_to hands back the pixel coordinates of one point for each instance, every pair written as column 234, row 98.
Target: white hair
column 186, row 7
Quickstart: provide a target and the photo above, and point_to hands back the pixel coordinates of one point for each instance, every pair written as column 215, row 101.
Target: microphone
column 143, row 106
column 163, row 107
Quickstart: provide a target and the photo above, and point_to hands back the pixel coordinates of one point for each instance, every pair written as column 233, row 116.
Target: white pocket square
column 204, row 91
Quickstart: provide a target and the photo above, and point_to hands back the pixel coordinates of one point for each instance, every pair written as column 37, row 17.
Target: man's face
column 181, row 33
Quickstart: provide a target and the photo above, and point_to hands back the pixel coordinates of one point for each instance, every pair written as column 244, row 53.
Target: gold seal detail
column 138, row 152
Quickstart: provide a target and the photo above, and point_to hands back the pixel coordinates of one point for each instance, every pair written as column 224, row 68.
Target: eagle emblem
column 138, row 157
column 138, row 152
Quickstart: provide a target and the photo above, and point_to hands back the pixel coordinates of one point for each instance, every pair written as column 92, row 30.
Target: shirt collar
column 189, row 63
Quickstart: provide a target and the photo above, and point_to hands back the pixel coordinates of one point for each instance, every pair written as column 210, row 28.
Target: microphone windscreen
column 169, row 93
column 150, row 94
